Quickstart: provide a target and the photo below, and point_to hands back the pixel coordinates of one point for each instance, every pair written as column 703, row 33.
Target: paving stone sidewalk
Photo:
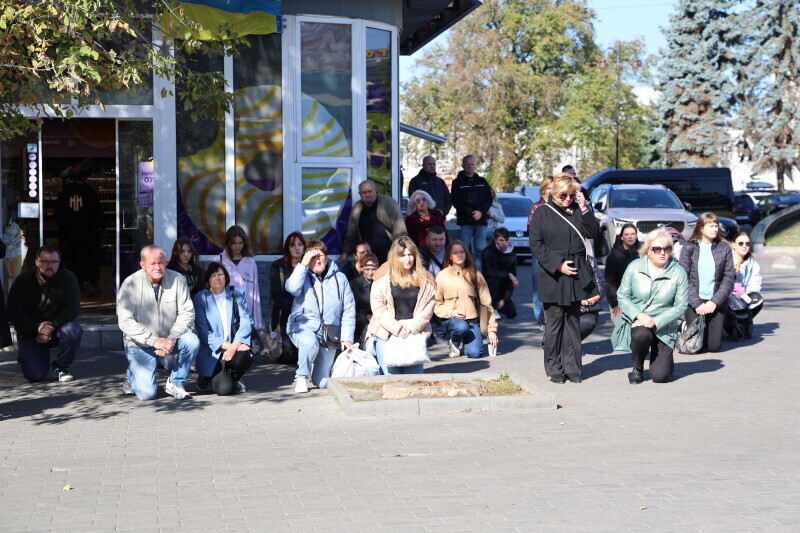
column 714, row 450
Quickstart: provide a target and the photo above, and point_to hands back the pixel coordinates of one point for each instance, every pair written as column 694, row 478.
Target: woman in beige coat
column 402, row 302
column 464, row 304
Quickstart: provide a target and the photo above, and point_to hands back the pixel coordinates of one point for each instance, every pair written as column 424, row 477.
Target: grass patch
column 784, row 233
column 501, row 386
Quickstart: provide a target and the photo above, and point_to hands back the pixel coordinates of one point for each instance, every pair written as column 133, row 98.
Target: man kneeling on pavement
column 43, row 304
column 155, row 313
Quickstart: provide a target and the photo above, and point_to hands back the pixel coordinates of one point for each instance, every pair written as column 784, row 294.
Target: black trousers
column 587, row 324
column 227, row 373
column 497, row 289
column 662, row 364
column 712, row 335
column 562, row 339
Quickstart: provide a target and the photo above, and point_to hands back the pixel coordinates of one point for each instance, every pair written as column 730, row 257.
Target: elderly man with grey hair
column 155, row 314
column 375, row 219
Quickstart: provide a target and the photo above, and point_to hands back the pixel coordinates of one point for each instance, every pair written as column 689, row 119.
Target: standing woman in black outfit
column 625, row 250
column 184, row 261
column 281, row 308
column 559, row 230
column 708, row 262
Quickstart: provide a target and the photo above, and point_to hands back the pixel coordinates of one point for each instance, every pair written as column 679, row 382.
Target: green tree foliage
column 72, row 51
column 517, row 85
column 770, row 80
column 697, row 84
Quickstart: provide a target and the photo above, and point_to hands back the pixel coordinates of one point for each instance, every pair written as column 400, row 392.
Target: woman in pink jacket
column 238, row 260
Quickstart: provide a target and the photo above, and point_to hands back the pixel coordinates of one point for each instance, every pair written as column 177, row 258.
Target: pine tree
column 770, row 74
column 697, row 83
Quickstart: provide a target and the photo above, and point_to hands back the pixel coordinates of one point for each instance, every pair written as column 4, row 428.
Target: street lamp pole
column 618, row 61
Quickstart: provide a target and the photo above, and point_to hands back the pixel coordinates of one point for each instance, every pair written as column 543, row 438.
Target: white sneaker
column 179, row 393
column 239, row 387
column 301, row 385
column 62, row 374
column 455, row 351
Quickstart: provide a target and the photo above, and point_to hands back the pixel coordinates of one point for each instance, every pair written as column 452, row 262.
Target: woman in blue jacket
column 323, row 317
column 224, row 327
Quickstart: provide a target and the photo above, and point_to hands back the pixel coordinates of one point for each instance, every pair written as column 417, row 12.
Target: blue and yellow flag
column 248, row 17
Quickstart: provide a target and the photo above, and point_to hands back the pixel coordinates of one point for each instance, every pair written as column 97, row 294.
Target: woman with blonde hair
column 402, row 304
column 464, row 303
column 559, row 231
column 652, row 296
column 708, row 262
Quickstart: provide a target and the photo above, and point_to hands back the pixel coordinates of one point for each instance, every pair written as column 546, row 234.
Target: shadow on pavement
column 463, row 366
column 687, row 368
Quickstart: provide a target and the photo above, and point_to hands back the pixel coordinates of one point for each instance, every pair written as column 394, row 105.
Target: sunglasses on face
column 659, row 249
column 420, row 200
column 564, row 196
column 743, row 243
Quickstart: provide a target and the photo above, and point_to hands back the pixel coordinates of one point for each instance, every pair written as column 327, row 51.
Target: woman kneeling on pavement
column 323, row 315
column 464, row 304
column 402, row 304
column 224, row 327
column 652, row 296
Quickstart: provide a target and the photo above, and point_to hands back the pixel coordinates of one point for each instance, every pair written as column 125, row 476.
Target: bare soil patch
column 363, row 391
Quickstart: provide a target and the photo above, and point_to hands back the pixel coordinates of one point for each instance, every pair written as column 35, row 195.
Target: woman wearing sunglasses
column 748, row 275
column 421, row 216
column 708, row 262
column 652, row 296
column 559, row 229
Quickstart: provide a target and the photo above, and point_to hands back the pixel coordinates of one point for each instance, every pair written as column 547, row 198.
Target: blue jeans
column 467, row 332
column 313, row 360
column 142, row 363
column 380, row 348
column 34, row 358
column 538, row 307
column 473, row 237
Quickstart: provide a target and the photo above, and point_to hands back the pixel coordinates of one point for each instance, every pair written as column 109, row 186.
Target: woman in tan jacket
column 401, row 301
column 464, row 304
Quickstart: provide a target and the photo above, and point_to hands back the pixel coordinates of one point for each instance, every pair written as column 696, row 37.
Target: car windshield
column 643, row 199
column 516, row 207
column 742, row 203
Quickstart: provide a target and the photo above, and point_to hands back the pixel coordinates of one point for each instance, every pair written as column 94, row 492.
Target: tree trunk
column 779, row 170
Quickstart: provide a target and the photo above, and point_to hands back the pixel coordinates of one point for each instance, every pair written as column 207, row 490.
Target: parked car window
column 638, row 199
column 516, row 207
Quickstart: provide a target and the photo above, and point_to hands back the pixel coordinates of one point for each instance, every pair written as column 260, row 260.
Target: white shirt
column 222, row 307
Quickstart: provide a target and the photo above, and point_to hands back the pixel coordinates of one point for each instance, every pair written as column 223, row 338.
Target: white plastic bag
column 412, row 350
column 354, row 363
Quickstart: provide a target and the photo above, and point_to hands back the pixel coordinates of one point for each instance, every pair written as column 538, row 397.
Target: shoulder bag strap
column 236, row 317
column 319, row 305
column 585, row 245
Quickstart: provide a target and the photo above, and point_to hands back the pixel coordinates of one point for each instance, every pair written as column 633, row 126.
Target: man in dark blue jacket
column 472, row 198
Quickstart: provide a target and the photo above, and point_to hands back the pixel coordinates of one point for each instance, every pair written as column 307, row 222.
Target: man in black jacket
column 472, row 198
column 43, row 304
column 500, row 271
column 428, row 181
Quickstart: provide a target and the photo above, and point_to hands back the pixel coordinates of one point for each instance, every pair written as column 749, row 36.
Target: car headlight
column 619, row 222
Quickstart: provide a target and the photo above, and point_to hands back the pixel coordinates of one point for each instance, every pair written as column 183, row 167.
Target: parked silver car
column 646, row 206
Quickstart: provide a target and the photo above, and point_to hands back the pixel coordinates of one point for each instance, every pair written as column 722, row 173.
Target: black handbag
column 331, row 333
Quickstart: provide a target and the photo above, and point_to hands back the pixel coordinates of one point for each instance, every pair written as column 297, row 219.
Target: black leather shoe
column 635, row 377
column 574, row 378
column 558, row 378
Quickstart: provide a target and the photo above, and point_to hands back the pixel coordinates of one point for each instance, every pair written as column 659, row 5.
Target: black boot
column 635, row 377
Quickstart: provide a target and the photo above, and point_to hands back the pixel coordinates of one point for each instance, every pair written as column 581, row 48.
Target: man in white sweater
column 155, row 314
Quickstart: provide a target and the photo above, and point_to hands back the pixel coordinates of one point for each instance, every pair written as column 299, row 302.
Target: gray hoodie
column 142, row 319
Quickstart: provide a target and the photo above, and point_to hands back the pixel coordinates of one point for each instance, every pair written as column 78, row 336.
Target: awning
column 422, row 134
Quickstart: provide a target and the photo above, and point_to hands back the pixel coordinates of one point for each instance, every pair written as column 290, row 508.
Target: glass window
column 125, row 43
column 201, row 171
column 326, row 203
column 379, row 109
column 325, row 84
column 259, row 142
column 515, row 207
column 136, row 193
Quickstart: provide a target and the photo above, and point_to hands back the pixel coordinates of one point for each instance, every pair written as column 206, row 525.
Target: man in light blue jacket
column 155, row 313
column 323, row 306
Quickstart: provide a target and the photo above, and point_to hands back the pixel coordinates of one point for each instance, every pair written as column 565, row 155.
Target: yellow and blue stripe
column 248, row 17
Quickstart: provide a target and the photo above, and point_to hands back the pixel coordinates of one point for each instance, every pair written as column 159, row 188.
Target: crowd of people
column 399, row 285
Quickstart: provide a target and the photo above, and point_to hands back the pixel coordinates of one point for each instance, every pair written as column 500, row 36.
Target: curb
column 538, row 400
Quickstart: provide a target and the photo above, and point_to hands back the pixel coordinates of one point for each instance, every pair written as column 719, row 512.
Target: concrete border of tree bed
column 538, row 399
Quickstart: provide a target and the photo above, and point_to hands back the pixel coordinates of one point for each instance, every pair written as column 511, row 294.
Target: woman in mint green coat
column 652, row 296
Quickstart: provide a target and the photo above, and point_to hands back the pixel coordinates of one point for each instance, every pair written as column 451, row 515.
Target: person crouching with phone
column 464, row 304
column 559, row 230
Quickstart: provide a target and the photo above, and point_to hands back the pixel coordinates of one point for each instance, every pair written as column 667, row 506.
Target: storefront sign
column 146, row 175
